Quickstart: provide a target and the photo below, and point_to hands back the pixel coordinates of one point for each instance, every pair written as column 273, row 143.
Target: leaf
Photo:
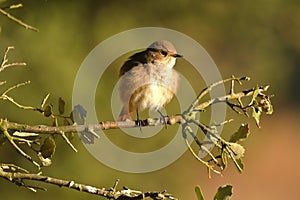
column 266, row 105
column 81, row 110
column 223, row 159
column 199, row 193
column 239, row 164
column 70, row 135
column 256, row 113
column 48, row 111
column 48, row 147
column 61, row 105
column 45, row 100
column 45, row 161
column 78, row 115
column 241, row 134
column 270, row 110
column 237, row 149
column 224, row 192
column 88, row 136
column 236, row 152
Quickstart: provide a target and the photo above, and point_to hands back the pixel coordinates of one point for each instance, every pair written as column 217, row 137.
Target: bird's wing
column 133, row 61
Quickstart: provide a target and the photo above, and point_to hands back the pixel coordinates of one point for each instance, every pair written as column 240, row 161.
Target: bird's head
column 163, row 53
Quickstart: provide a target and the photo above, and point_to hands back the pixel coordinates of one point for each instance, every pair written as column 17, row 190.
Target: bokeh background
column 257, row 38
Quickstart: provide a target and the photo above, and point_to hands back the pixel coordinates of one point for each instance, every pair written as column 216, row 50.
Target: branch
column 126, row 193
column 178, row 118
column 22, row 133
column 18, row 21
column 5, row 64
column 259, row 101
column 44, row 147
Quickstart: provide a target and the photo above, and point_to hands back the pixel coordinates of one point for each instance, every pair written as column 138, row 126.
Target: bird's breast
column 148, row 86
column 152, row 96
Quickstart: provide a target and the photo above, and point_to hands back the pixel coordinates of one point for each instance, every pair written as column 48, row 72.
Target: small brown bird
column 148, row 80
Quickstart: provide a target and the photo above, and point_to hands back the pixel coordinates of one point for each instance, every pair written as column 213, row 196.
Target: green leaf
column 256, row 113
column 240, row 164
column 270, row 110
column 45, row 161
column 237, row 149
column 236, row 152
column 48, row 147
column 70, row 135
column 241, row 134
column 224, row 192
column 199, row 193
column 61, row 105
column 48, row 111
column 223, row 159
column 45, row 100
column 266, row 105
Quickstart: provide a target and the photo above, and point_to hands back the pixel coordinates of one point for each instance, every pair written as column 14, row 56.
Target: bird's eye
column 164, row 53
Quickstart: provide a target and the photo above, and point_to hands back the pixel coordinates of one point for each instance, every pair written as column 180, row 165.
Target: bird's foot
column 163, row 118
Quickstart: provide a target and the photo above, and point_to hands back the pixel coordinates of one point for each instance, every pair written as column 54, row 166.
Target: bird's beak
column 175, row 55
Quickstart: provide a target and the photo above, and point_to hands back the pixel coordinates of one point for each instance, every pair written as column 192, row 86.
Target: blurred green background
column 257, row 38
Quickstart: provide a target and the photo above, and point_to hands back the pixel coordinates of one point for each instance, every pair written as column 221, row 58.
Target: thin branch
column 228, row 97
column 68, row 141
column 209, row 88
column 11, row 139
column 4, row 94
column 5, row 64
column 125, row 193
column 43, row 129
column 12, row 168
column 18, row 21
column 209, row 167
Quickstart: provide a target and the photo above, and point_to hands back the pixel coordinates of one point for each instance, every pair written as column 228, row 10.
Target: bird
column 148, row 80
